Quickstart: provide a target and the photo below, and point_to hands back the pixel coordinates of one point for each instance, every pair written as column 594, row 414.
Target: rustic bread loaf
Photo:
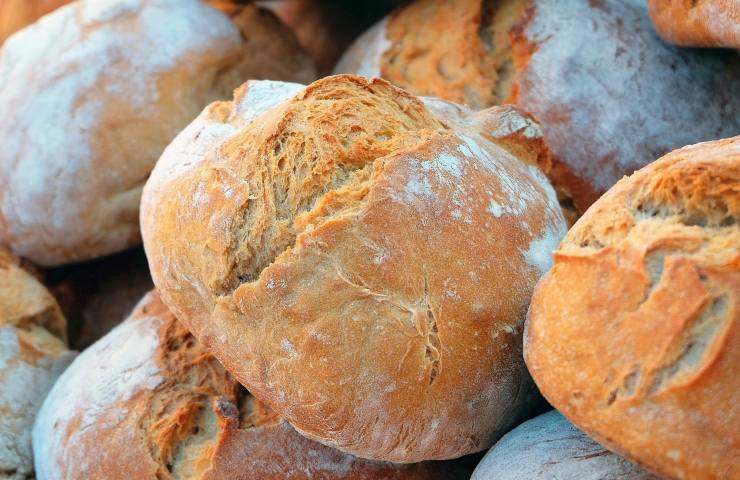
column 91, row 95
column 698, row 23
column 360, row 259
column 634, row 334
column 610, row 96
column 549, row 447
column 149, row 402
column 32, row 355
column 16, row 14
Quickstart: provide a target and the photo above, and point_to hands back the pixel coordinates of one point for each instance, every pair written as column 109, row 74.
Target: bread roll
column 702, row 23
column 548, row 447
column 634, row 334
column 91, row 95
column 32, row 355
column 360, row 259
column 16, row 14
column 609, row 94
column 96, row 296
column 149, row 402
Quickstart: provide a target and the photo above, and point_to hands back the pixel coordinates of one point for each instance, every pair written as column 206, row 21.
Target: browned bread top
column 359, row 258
column 634, row 334
column 697, row 23
column 16, row 14
column 149, row 402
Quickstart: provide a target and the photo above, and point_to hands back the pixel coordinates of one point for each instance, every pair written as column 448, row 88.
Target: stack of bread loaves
column 369, row 275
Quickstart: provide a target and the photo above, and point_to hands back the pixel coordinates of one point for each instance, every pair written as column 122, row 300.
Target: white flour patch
column 364, row 55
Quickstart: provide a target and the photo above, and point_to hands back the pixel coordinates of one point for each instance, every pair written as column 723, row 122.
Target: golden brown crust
column 16, row 14
column 634, row 334
column 702, row 23
column 182, row 417
column 319, row 255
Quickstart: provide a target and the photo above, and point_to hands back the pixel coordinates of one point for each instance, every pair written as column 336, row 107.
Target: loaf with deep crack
column 609, row 94
column 359, row 258
column 32, row 355
column 634, row 333
column 148, row 401
column 91, row 95
column 698, row 23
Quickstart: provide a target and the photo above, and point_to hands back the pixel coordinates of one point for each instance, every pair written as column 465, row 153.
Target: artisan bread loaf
column 360, row 259
column 549, row 447
column 16, row 14
column 32, row 355
column 91, row 95
column 634, row 334
column 149, row 402
column 702, row 23
column 609, row 94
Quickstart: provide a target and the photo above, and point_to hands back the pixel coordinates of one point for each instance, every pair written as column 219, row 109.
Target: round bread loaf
column 549, row 447
column 149, row 402
column 698, row 23
column 91, row 95
column 609, row 94
column 635, row 333
column 360, row 259
column 32, row 355
column 16, row 14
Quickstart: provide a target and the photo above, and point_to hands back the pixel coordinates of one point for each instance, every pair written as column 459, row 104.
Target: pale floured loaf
column 91, row 95
column 634, row 335
column 359, row 258
column 149, row 402
column 697, row 23
column 549, row 447
column 32, row 355
column 609, row 94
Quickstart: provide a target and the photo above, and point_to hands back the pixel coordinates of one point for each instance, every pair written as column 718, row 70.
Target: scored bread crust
column 549, row 447
column 702, row 23
column 360, row 259
column 148, row 401
column 94, row 91
column 633, row 334
column 610, row 96
column 32, row 355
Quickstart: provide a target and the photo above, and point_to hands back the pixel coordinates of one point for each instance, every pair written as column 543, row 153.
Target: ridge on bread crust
column 148, row 401
column 352, row 218
column 655, row 267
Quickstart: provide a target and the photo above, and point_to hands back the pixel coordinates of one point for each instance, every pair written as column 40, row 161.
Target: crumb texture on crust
column 349, row 219
column 611, row 97
column 644, row 294
column 697, row 23
column 148, row 401
column 549, row 447
column 32, row 355
column 76, row 116
column 458, row 50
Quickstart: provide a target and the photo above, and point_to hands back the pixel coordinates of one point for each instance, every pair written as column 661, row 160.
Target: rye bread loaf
column 148, row 401
column 549, row 447
column 359, row 258
column 32, row 355
column 609, row 94
column 91, row 95
column 697, row 23
column 634, row 334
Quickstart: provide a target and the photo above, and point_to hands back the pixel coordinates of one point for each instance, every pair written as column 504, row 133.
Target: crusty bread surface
column 697, row 23
column 633, row 334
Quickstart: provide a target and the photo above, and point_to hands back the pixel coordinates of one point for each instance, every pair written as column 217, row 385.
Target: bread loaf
column 610, row 96
column 634, row 333
column 91, row 95
column 359, row 258
column 32, row 355
column 16, row 14
column 702, row 23
column 548, row 447
column 149, row 402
